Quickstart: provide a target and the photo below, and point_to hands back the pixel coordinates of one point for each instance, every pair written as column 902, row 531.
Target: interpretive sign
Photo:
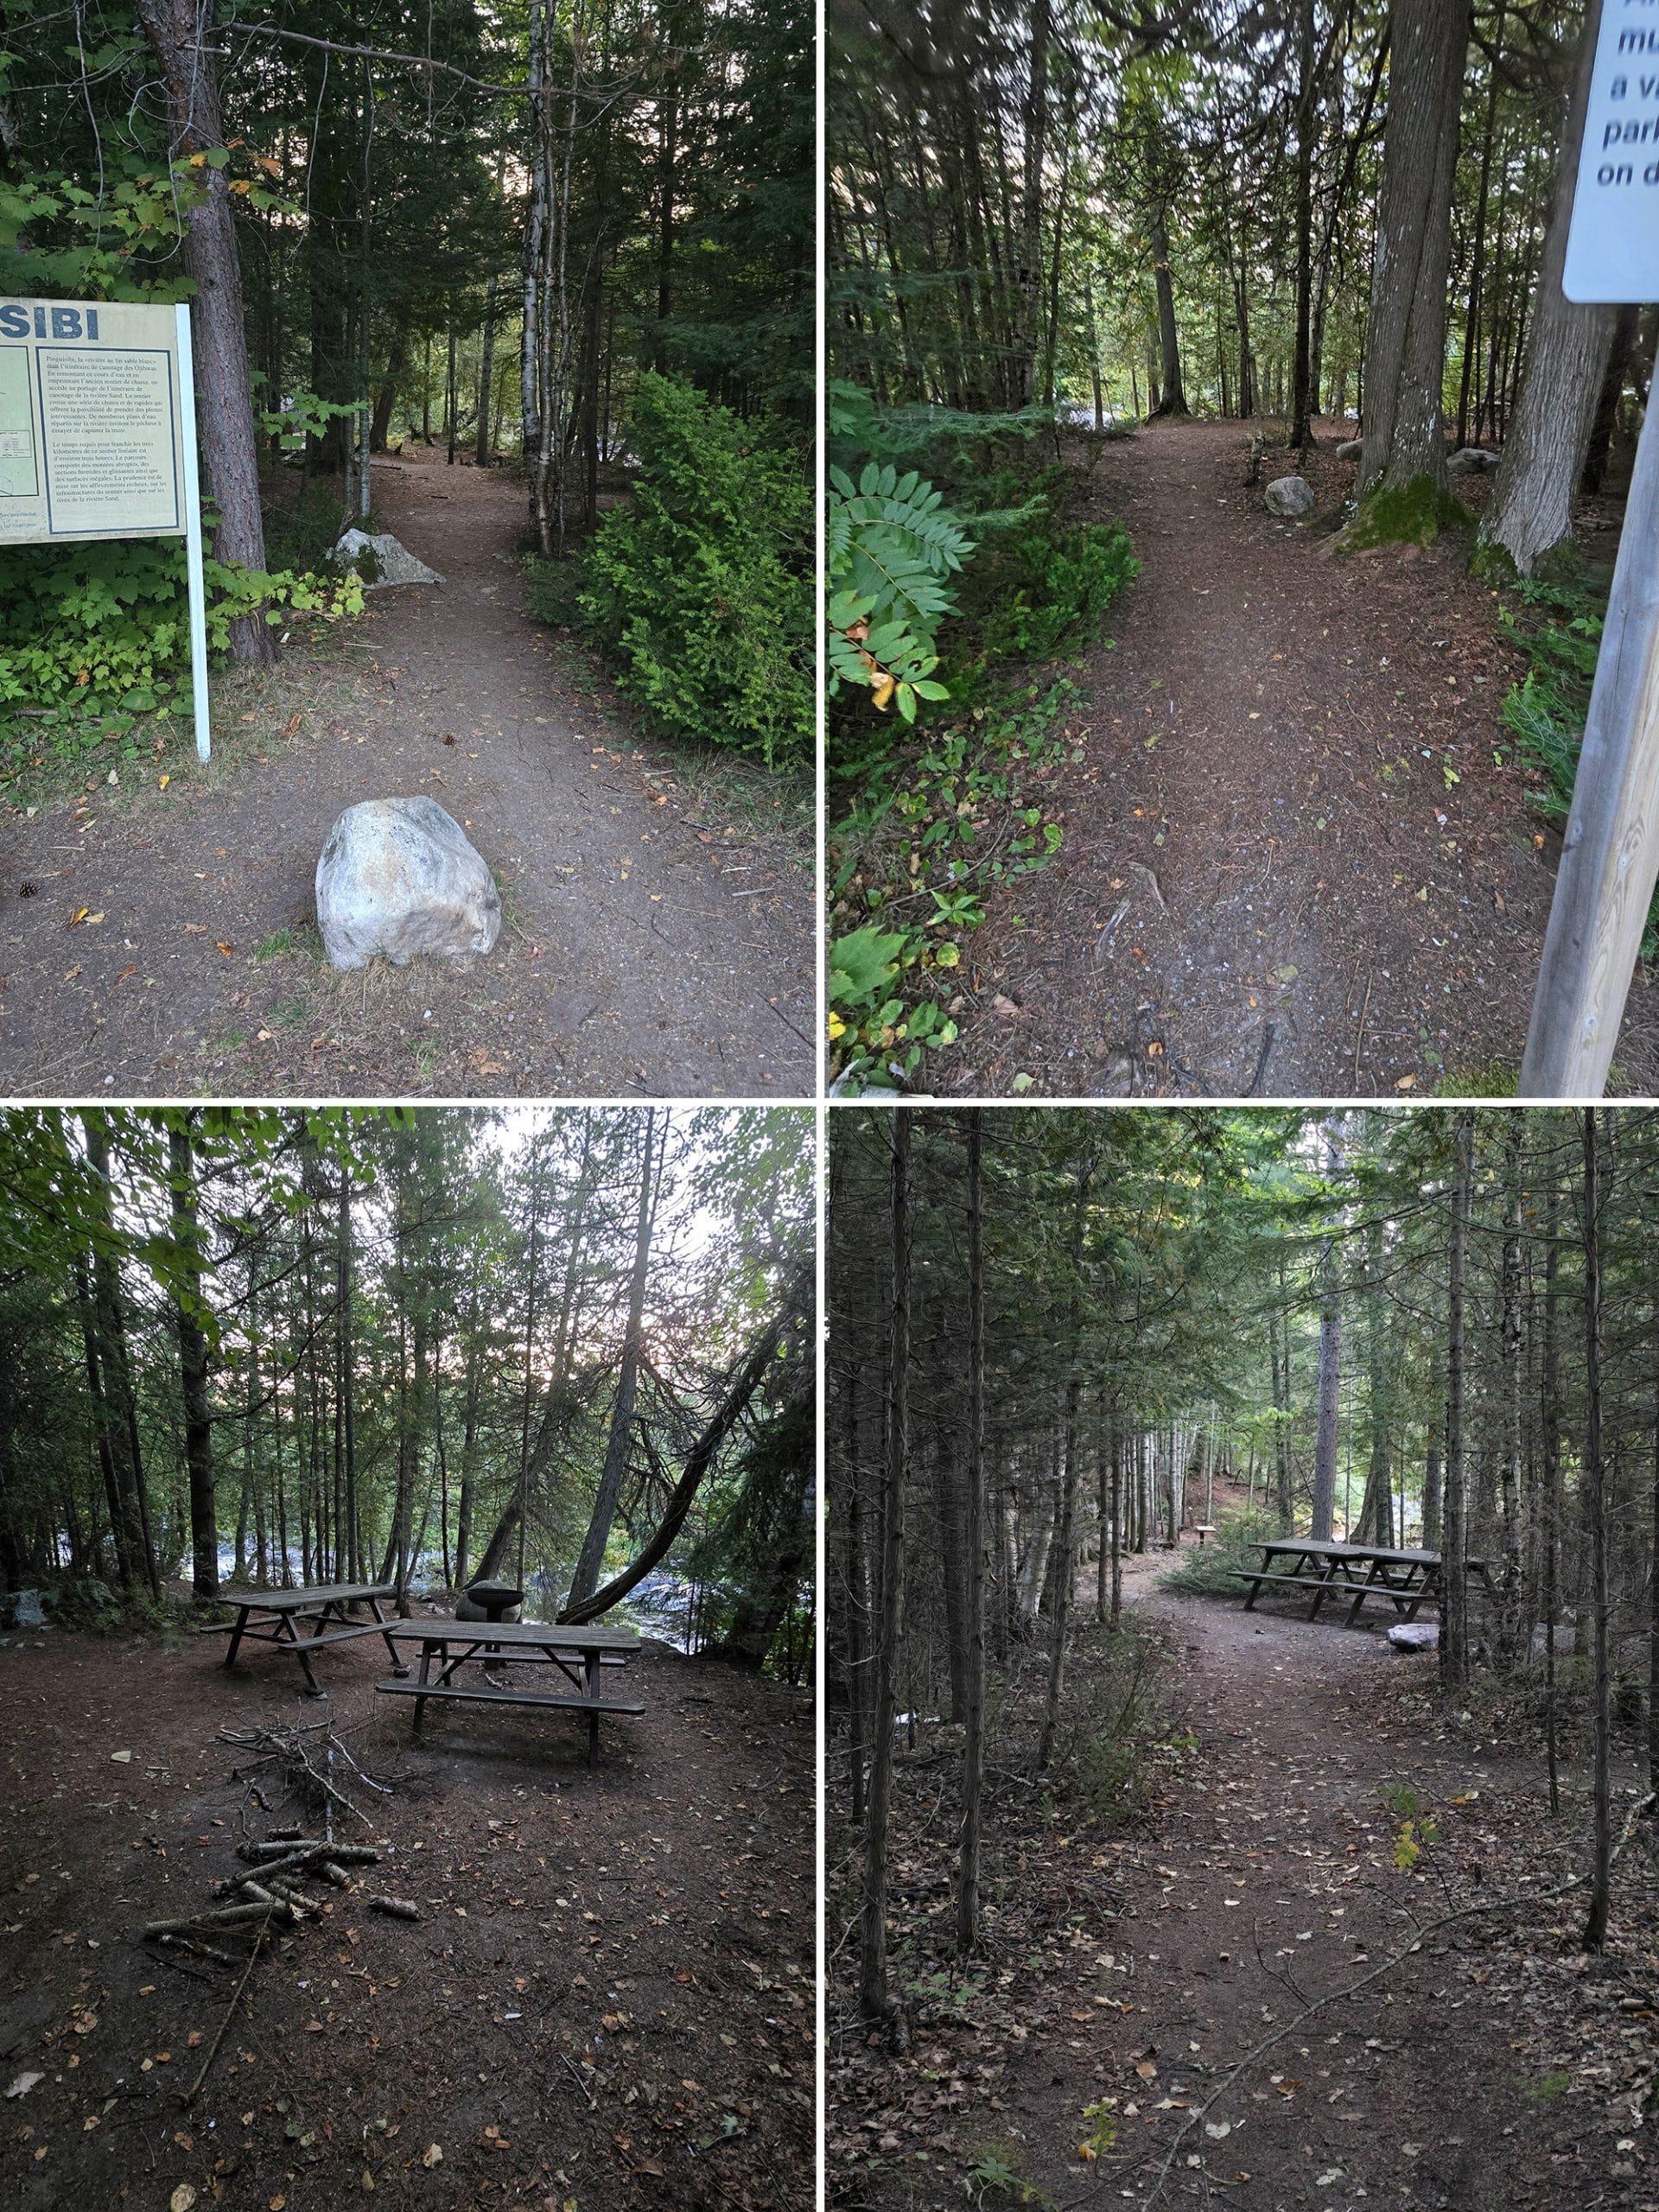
column 1610, row 853
column 1612, row 249
column 97, row 437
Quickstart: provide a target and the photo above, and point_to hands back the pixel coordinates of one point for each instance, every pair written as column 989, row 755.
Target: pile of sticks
column 273, row 1891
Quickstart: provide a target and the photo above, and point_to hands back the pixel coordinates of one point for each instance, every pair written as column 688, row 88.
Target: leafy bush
column 700, row 589
column 1208, row 1571
column 106, row 624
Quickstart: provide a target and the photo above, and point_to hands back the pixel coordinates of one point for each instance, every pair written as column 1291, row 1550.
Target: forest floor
column 607, row 2004
column 658, row 934
column 1292, row 866
column 1497, row 2070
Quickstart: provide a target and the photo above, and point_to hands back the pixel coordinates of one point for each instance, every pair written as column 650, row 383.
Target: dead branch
column 1519, row 1899
column 236, row 1999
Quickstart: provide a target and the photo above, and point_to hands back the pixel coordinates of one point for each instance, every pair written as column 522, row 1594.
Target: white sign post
column 98, row 438
column 1610, row 856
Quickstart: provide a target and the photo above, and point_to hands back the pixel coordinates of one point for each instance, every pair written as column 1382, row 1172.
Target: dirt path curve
column 1291, row 868
column 1271, row 1874
column 642, row 953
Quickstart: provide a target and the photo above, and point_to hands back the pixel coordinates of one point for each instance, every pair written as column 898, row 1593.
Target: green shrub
column 106, row 624
column 1208, row 1571
column 556, row 589
column 700, row 589
column 1060, row 579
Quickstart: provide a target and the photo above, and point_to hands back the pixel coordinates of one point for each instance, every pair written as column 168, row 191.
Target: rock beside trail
column 1289, row 495
column 392, row 561
column 1351, row 450
column 1474, row 460
column 24, row 1609
column 1415, row 1636
column 398, row 877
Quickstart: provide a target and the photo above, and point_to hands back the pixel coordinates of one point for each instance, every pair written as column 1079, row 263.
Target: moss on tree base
column 1405, row 514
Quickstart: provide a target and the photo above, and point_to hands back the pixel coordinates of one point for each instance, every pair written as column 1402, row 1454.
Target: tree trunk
column 1405, row 355
column 1031, row 206
column 481, row 449
column 618, row 1444
column 973, row 1709
column 1549, row 437
column 1595, row 1490
column 875, row 2004
column 1324, row 1444
column 192, row 1364
column 1453, row 1626
column 1301, row 399
column 181, row 37
column 1174, row 399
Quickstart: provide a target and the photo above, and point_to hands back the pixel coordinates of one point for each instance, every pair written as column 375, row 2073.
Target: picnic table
column 575, row 1656
column 274, row 1617
column 1358, row 1572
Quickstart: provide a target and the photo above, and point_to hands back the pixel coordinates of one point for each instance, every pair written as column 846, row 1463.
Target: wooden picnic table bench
column 1402, row 1578
column 275, row 1616
column 577, row 1656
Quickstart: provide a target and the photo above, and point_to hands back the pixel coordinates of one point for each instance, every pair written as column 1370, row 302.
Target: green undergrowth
column 952, row 587
column 1558, row 625
column 965, row 807
column 95, row 657
column 1124, row 1735
column 1405, row 514
column 1207, row 1570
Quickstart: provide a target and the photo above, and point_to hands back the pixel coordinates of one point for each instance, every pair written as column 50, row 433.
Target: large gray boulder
column 389, row 560
column 26, row 1609
column 1474, row 460
column 1351, row 450
column 398, row 877
column 1415, row 1636
column 1289, row 495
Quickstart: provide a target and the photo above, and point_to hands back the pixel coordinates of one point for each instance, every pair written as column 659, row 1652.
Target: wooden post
column 1611, row 855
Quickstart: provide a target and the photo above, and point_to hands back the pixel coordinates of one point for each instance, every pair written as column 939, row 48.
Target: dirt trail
column 1269, row 1881
column 1291, row 868
column 606, row 1999
column 645, row 951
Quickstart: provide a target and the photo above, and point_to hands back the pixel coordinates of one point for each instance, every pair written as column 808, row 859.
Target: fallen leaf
column 228, row 949
column 1406, row 1083
column 433, row 2154
column 182, row 2198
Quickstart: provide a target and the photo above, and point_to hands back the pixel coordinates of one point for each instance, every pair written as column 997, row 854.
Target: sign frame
column 39, row 522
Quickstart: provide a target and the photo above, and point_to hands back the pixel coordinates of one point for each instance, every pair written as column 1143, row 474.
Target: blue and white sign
column 1612, row 249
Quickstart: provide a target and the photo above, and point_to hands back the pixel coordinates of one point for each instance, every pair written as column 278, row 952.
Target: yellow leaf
column 1406, row 1083
column 161, row 786
column 883, row 688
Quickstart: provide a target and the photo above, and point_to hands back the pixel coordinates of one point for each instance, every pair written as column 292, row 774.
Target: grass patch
column 276, row 946
column 1549, row 2089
